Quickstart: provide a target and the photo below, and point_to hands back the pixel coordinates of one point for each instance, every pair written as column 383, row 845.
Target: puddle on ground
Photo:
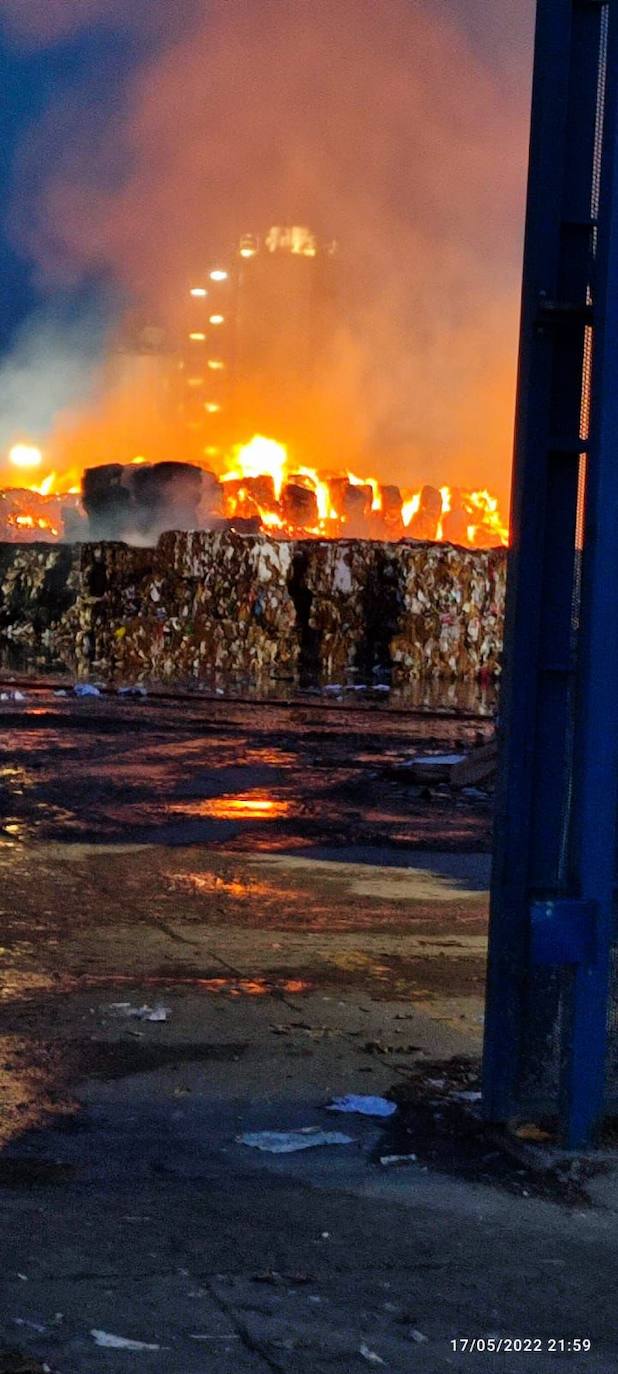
column 245, row 806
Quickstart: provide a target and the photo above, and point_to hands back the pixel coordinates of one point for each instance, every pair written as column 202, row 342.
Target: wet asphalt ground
column 306, row 924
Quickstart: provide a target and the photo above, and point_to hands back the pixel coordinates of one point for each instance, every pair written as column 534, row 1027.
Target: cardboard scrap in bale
column 201, row 605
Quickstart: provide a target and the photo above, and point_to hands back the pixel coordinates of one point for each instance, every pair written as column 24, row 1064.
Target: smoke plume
column 381, row 123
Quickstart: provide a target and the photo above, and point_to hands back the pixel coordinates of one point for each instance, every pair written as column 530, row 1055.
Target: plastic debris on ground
column 391, row 1161
column 157, row 1013
column 371, row 1356
column 109, row 1342
column 286, row 1142
column 13, row 696
column 418, row 1337
column 135, row 691
column 467, row 1096
column 86, row 689
column 363, row 1105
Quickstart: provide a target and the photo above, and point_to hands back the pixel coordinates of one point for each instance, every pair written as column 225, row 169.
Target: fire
column 260, row 458
column 263, row 483
column 25, row 456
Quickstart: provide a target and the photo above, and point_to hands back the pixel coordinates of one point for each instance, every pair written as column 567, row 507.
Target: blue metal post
column 530, row 854
column 596, row 718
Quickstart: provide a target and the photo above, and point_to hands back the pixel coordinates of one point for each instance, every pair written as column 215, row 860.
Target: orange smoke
column 381, row 125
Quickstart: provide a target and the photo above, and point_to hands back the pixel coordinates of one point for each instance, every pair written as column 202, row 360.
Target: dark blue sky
column 99, row 63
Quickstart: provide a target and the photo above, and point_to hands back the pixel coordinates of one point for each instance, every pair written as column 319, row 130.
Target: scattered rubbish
column 13, row 696
column 376, row 1047
column 109, row 1342
column 285, row 1142
column 156, row 1013
column 362, row 1105
column 427, row 768
column 467, row 1096
column 30, row 1326
column 436, row 1082
column 370, row 1355
column 61, row 692
column 418, row 1336
column 389, row 1161
column 477, row 766
column 137, row 690
column 529, row 1131
column 85, row 689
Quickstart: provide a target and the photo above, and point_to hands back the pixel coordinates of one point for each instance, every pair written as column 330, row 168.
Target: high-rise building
column 260, row 329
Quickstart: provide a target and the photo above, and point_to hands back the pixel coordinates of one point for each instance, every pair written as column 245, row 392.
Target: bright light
column 215, row 365
column 25, row 456
column 260, row 458
column 218, row 275
column 197, row 337
column 139, row 459
column 248, row 252
column 199, row 292
column 195, row 381
column 216, row 319
column 212, row 407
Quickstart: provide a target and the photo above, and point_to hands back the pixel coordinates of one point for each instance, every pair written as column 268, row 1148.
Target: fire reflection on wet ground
column 223, row 773
column 151, row 851
column 247, row 807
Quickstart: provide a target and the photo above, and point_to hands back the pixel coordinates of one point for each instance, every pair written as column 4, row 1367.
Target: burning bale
column 225, row 606
column 137, row 502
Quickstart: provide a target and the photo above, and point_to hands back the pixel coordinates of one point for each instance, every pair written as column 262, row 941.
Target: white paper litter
column 370, row 1355
column 85, row 689
column 13, row 696
column 157, row 1013
column 467, row 1097
column 362, row 1105
column 109, row 1342
column 286, row 1142
column 390, row 1160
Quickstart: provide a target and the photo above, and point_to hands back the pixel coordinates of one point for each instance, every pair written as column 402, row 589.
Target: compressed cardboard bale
column 424, row 523
column 299, row 506
column 335, row 575
column 215, row 604
column 228, row 606
column 166, row 496
column 107, row 500
column 452, row 611
column 34, row 592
